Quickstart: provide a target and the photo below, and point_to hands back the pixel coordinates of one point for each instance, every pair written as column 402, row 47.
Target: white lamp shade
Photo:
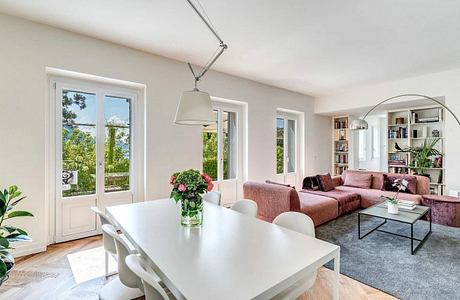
column 194, row 109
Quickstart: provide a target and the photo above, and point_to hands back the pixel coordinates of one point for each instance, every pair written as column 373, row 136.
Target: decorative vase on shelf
column 188, row 189
column 393, row 208
column 192, row 212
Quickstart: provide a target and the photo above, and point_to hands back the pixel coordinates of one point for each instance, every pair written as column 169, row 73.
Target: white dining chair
column 108, row 242
column 152, row 287
column 127, row 285
column 303, row 224
column 212, row 197
column 245, row 206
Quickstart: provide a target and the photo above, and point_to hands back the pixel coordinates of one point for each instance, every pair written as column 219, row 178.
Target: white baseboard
column 25, row 248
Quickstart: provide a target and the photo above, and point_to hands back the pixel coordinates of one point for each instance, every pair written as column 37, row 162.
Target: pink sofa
column 273, row 199
column 373, row 195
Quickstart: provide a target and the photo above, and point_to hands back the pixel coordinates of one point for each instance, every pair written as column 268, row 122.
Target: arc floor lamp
column 195, row 106
column 361, row 124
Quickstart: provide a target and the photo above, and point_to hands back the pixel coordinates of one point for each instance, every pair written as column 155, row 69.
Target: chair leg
column 106, row 264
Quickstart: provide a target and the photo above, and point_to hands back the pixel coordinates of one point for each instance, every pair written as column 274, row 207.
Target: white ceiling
column 309, row 46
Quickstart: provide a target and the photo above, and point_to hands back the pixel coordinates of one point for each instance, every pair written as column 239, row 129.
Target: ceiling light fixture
column 195, row 106
column 361, row 124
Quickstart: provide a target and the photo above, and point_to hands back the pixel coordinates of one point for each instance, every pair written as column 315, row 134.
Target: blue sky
column 113, row 106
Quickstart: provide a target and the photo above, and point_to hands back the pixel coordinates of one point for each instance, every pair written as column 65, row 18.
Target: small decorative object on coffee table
column 188, row 189
column 392, row 202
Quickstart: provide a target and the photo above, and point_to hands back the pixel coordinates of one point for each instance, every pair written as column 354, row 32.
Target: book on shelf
column 400, row 133
column 428, row 119
column 341, row 124
column 341, row 158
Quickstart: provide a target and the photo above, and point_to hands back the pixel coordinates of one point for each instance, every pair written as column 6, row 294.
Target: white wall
column 27, row 48
column 442, row 84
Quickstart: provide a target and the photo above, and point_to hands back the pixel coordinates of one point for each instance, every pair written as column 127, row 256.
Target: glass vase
column 192, row 212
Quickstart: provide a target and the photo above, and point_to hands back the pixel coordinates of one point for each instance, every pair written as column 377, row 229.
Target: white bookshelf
column 411, row 127
column 340, row 144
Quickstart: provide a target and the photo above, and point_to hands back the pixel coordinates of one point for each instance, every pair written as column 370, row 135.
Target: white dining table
column 231, row 256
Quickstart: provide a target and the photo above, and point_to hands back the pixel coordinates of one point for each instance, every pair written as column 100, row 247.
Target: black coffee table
column 404, row 216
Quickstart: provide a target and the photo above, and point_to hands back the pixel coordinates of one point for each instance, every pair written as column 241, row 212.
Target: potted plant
column 9, row 198
column 423, row 156
column 188, row 188
column 400, row 184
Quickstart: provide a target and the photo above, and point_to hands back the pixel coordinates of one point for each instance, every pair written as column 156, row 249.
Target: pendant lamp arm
column 218, row 53
column 413, row 95
column 205, row 22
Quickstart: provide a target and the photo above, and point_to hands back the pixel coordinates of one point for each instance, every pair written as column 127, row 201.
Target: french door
column 287, row 148
column 222, row 151
column 94, row 155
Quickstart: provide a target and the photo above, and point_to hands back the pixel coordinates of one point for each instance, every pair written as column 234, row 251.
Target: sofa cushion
column 370, row 197
column 359, row 180
column 310, row 183
column 325, row 182
column 389, row 180
column 319, row 208
column 271, row 199
column 377, row 177
column 348, row 201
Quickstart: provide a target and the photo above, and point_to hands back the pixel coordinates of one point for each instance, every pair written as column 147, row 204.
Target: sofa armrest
column 271, row 199
column 337, row 180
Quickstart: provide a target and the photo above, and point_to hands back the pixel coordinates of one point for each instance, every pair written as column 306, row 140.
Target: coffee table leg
column 412, row 239
column 359, row 225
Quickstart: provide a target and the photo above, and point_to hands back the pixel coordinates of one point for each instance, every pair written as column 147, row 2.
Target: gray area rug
column 384, row 261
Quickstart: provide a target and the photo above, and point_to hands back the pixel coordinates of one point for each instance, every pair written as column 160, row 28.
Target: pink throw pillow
column 359, row 180
column 325, row 182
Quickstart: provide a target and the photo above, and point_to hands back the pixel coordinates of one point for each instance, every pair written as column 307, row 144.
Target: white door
column 94, row 155
column 287, row 148
column 222, row 151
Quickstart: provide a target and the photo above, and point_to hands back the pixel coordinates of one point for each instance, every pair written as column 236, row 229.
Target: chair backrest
column 102, row 216
column 109, row 243
column 127, row 277
column 152, row 289
column 245, row 206
column 212, row 197
column 296, row 221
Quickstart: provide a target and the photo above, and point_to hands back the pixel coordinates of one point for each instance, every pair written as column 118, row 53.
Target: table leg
column 431, row 217
column 359, row 225
column 336, row 285
column 412, row 239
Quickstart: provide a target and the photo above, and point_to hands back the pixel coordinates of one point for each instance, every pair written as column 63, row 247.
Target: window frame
column 286, row 118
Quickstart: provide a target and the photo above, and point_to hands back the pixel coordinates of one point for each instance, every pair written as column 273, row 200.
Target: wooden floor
column 55, row 263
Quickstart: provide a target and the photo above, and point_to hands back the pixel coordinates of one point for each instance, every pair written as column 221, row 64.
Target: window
column 285, row 145
column 220, row 146
column 362, row 145
column 375, row 142
column 80, row 146
column 117, row 113
column 78, row 143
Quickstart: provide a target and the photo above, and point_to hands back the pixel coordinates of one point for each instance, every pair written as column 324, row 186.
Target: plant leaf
column 19, row 213
column 17, row 201
column 4, row 242
column 3, row 269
